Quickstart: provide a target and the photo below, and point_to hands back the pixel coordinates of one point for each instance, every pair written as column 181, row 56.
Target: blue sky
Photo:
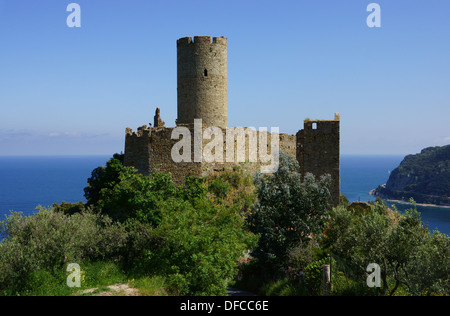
column 66, row 91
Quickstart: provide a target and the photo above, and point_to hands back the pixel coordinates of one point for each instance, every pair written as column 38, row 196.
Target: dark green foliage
column 195, row 188
column 69, row 208
column 430, row 273
column 287, row 213
column 343, row 200
column 314, row 276
column 197, row 246
column 425, row 177
column 399, row 243
column 219, row 188
column 104, row 177
column 121, row 193
column 136, row 196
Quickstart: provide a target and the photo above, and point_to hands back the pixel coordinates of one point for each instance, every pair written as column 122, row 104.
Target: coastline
column 372, row 192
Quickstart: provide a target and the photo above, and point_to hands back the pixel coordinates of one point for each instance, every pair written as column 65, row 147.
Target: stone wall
column 149, row 150
column 318, row 151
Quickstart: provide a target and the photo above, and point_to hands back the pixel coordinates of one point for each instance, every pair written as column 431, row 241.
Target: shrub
column 49, row 239
column 197, row 247
column 314, row 275
column 287, row 213
column 69, row 208
column 105, row 177
column 136, row 196
column 409, row 256
column 233, row 188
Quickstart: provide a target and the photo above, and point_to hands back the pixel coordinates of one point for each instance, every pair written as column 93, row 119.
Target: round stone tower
column 202, row 80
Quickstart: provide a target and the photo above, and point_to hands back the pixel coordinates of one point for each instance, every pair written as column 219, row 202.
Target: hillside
column 425, row 177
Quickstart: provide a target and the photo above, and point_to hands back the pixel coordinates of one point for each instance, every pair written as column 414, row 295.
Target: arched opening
column 205, row 73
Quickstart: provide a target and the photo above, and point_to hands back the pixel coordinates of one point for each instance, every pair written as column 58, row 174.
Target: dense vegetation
column 270, row 234
column 425, row 177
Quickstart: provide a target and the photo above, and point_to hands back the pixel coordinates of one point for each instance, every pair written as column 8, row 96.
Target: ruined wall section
column 137, row 149
column 202, row 80
column 149, row 150
column 318, row 151
column 287, row 144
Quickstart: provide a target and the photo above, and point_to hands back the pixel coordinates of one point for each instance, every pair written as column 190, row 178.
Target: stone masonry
column 202, row 80
column 318, row 151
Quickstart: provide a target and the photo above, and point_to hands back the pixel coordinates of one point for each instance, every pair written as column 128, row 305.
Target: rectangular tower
column 318, row 151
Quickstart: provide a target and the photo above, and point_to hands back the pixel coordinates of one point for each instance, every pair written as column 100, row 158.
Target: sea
column 29, row 181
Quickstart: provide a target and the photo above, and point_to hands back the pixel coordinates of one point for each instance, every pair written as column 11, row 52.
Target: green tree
column 136, row 196
column 400, row 243
column 104, row 177
column 197, row 245
column 430, row 272
column 288, row 211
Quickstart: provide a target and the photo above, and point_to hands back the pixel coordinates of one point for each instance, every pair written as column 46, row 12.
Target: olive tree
column 289, row 209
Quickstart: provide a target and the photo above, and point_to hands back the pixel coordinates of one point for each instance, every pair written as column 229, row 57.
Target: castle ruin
column 202, row 94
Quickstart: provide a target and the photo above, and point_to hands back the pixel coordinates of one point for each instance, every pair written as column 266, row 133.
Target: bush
column 102, row 177
column 314, row 275
column 410, row 257
column 287, row 213
column 197, row 247
column 48, row 239
column 69, row 208
column 136, row 196
column 233, row 188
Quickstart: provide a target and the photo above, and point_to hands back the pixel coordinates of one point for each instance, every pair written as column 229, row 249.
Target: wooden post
column 326, row 280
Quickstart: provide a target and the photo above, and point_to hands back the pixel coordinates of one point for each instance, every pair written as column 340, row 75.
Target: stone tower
column 318, row 151
column 202, row 80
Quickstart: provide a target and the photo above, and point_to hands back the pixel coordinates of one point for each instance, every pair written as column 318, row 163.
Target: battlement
column 185, row 41
column 144, row 131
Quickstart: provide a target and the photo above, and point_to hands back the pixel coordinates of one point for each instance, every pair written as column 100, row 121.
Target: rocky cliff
column 425, row 177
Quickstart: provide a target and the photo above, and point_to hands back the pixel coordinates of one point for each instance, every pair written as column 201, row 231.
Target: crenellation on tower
column 184, row 41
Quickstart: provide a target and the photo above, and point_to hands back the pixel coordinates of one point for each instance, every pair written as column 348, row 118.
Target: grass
column 283, row 287
column 98, row 275
column 150, row 286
